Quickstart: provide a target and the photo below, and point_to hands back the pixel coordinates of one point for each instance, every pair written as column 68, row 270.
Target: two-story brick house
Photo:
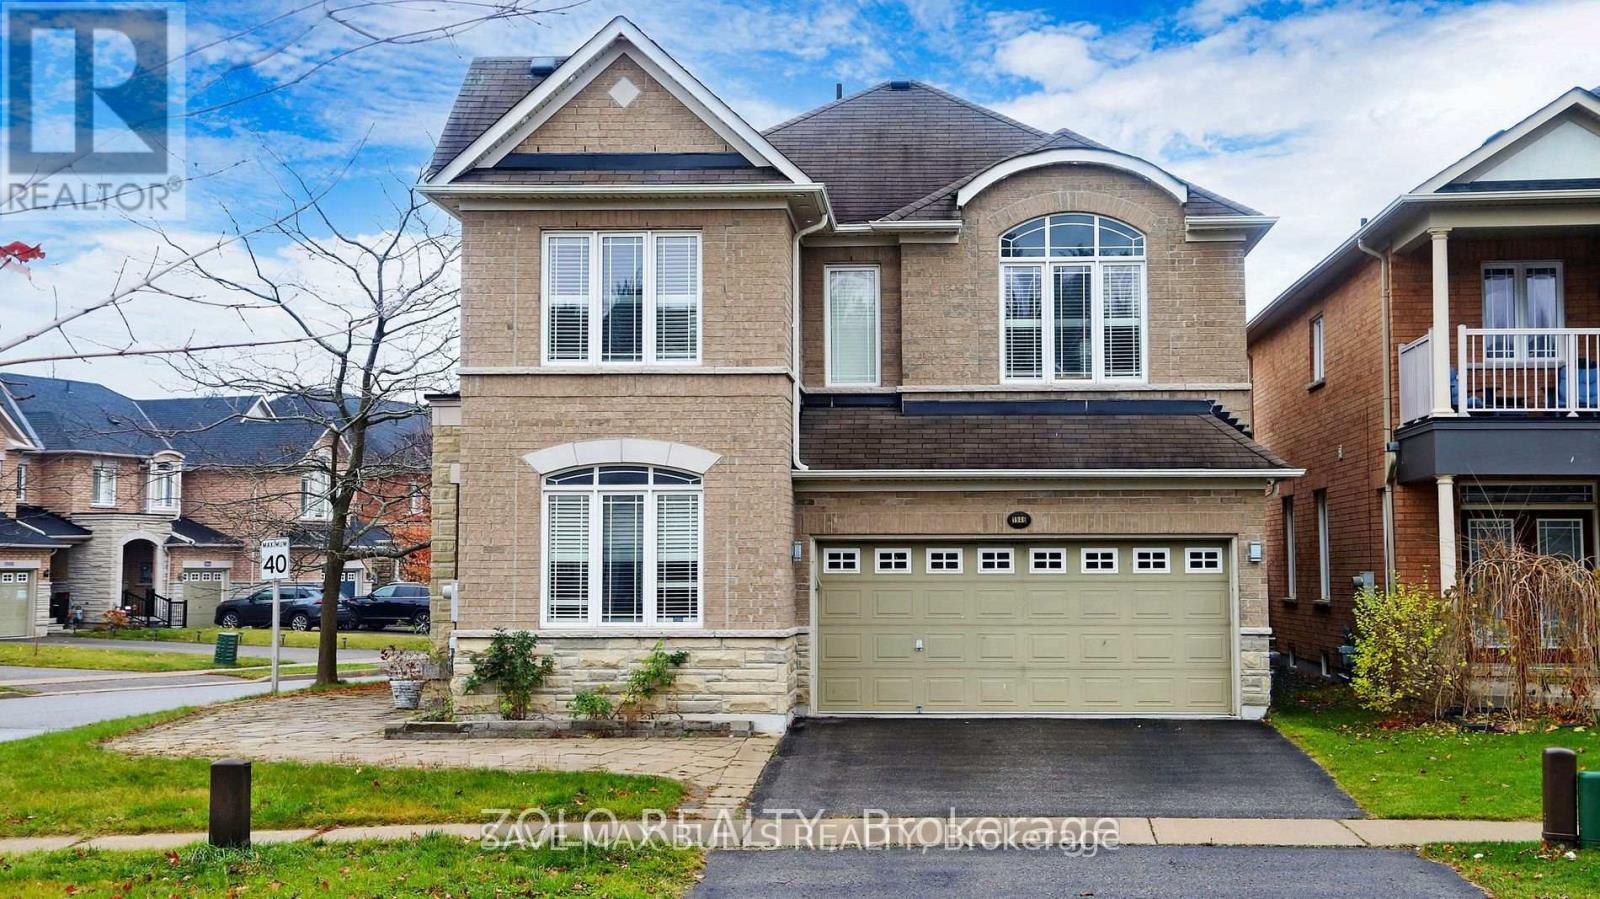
column 1435, row 375
column 898, row 407
column 157, row 505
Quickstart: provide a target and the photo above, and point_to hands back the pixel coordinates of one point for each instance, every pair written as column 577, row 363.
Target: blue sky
column 1318, row 112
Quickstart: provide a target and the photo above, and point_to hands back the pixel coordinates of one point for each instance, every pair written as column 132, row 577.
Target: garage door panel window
column 841, row 561
column 1097, row 560
column 623, row 546
column 892, row 561
column 1148, row 560
column 945, row 561
column 1047, row 561
column 996, row 561
column 1203, row 560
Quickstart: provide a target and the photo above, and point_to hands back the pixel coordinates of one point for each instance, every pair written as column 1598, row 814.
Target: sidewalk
column 734, row 832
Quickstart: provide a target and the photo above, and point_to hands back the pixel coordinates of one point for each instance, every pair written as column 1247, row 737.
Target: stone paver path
column 347, row 728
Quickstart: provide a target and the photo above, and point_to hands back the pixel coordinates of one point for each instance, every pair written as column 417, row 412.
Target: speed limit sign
column 275, row 559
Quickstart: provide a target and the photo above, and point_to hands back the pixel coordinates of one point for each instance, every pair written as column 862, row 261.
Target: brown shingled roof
column 876, row 439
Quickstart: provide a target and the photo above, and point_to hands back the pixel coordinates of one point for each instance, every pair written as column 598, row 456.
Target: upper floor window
column 623, row 546
column 622, row 298
column 1072, row 300
column 414, row 498
column 1317, row 368
column 103, row 484
column 164, row 492
column 851, row 299
column 315, row 504
column 1522, row 295
column 22, row 482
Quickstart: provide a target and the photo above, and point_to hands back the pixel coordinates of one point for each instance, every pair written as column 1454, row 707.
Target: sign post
column 274, row 568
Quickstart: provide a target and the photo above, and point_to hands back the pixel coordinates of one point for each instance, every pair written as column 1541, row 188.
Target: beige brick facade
column 594, row 122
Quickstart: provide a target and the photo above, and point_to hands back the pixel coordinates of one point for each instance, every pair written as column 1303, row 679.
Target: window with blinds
column 851, row 298
column 1073, row 300
column 622, row 298
column 623, row 546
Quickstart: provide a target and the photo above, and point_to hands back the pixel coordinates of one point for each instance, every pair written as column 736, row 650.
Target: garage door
column 1104, row 627
column 203, row 589
column 16, row 603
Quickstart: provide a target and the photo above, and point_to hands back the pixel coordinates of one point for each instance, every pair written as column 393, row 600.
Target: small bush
column 512, row 664
column 1398, row 666
column 592, row 704
column 656, row 672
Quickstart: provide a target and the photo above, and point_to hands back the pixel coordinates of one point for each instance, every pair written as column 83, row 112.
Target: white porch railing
column 1416, row 378
column 1527, row 370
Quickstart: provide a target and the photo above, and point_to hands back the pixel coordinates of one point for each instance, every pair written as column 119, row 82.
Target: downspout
column 1390, row 458
column 794, row 350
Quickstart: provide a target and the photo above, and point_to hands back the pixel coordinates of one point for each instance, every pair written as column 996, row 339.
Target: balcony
column 1506, row 371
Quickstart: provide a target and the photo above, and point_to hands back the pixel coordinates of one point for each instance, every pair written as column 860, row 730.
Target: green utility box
column 1589, row 808
column 227, row 650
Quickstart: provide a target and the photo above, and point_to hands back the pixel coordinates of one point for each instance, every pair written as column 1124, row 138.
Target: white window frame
column 1034, row 554
column 414, row 497
column 928, row 558
column 103, row 474
column 595, row 601
column 1319, row 368
column 1003, row 552
column 1324, row 549
column 1085, row 552
column 1165, row 558
column 315, row 502
column 827, row 325
column 886, row 552
column 1096, row 264
column 21, row 484
column 1521, row 349
column 1290, row 559
column 160, row 501
column 843, row 552
column 1191, row 553
column 592, row 357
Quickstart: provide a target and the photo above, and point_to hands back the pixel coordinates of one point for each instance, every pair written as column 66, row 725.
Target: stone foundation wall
column 751, row 678
column 1255, row 675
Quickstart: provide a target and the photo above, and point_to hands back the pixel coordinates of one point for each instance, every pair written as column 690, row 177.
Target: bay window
column 1072, row 300
column 851, row 325
column 622, row 547
column 622, row 298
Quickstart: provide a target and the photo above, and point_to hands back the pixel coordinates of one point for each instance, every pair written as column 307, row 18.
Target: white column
column 1441, row 322
column 1447, row 532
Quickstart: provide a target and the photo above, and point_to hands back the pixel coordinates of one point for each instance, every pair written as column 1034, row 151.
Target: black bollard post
column 230, row 803
column 1560, row 796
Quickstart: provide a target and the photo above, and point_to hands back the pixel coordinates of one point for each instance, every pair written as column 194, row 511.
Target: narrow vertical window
column 1024, row 322
column 852, row 324
column 1123, row 301
column 621, row 299
column 677, row 293
column 1317, row 367
column 314, row 501
column 567, row 298
column 567, row 527
column 622, row 558
column 22, row 482
column 678, row 557
column 1291, row 575
column 1324, row 554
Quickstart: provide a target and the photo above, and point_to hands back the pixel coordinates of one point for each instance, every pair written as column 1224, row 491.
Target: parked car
column 300, row 608
column 399, row 603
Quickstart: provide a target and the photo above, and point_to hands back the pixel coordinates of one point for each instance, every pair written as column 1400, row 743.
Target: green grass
column 1429, row 770
column 263, row 637
column 1522, row 870
column 67, row 783
column 56, row 655
column 434, row 866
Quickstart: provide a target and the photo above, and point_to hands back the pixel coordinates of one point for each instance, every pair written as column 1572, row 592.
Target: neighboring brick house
column 158, row 505
column 898, row 407
column 1483, row 282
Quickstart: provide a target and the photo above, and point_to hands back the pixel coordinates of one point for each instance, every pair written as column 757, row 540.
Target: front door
column 16, row 603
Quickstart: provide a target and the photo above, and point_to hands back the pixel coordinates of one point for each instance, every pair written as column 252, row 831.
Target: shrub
column 592, row 704
column 1398, row 661
column 512, row 664
column 656, row 672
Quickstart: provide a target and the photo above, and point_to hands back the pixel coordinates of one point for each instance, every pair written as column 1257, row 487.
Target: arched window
column 1072, row 300
column 622, row 546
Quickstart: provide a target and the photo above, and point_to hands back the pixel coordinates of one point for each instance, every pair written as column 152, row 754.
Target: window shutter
column 567, row 290
column 1024, row 321
column 568, row 548
column 1123, row 300
column 678, row 298
column 852, row 326
column 677, row 557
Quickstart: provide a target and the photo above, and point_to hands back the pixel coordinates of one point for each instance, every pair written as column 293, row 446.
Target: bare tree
column 377, row 314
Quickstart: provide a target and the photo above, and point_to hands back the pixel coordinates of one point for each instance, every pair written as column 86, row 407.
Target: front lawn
column 263, row 637
column 433, row 866
column 56, row 655
column 1522, row 870
column 1425, row 771
column 67, row 783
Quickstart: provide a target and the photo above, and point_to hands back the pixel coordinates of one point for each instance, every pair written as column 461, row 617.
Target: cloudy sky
column 1316, row 112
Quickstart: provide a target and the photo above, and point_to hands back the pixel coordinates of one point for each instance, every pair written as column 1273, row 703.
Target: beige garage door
column 16, row 603
column 203, row 589
column 1066, row 627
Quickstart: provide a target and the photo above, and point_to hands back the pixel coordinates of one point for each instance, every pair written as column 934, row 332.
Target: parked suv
column 399, row 603
column 300, row 608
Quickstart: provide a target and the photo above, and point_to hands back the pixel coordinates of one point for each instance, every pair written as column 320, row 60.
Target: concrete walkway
column 721, row 830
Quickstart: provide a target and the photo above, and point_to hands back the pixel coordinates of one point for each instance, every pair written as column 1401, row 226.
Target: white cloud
column 1059, row 58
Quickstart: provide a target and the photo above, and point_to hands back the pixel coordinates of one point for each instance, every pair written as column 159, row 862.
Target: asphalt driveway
column 1049, row 767
column 1147, row 872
